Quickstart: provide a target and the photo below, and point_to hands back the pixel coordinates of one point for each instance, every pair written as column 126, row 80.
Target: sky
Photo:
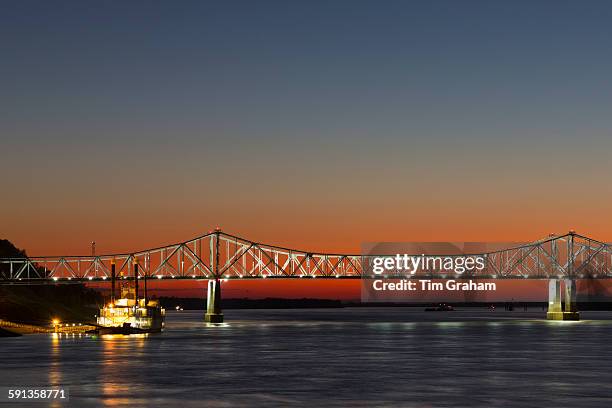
column 316, row 125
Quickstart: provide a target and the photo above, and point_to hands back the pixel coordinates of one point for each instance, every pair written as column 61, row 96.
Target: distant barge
column 441, row 307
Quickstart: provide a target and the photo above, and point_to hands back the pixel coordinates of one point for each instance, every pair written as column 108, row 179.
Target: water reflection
column 116, row 359
column 55, row 371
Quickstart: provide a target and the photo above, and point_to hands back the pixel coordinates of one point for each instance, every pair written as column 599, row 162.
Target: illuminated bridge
column 217, row 256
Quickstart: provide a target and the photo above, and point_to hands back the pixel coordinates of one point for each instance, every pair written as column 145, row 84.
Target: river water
column 354, row 357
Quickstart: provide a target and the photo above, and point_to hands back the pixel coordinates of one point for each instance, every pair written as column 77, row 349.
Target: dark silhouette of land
column 245, row 303
column 39, row 304
column 8, row 250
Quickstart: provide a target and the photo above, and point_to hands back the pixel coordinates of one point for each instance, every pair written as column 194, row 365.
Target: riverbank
column 39, row 305
column 21, row 328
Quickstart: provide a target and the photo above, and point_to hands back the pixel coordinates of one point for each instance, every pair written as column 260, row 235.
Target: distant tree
column 9, row 250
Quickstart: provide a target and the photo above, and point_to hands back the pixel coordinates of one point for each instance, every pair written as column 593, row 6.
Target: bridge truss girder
column 224, row 256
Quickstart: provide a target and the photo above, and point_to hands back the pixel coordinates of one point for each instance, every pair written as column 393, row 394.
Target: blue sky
column 269, row 104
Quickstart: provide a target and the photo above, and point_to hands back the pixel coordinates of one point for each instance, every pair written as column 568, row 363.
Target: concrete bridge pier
column 555, row 310
column 213, row 302
column 571, row 307
column 554, row 298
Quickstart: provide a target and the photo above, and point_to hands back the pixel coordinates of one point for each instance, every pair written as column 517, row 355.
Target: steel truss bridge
column 218, row 255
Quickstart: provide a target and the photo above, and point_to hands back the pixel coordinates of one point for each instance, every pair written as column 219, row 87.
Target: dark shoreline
column 39, row 305
column 170, row 303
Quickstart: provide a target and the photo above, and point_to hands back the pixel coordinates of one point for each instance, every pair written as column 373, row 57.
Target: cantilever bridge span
column 217, row 256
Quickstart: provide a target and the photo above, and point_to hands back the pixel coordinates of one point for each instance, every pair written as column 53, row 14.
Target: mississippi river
column 355, row 357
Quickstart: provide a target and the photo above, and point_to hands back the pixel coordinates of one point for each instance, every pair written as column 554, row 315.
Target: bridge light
column 104, row 278
column 264, row 276
column 193, row 276
column 55, row 278
column 158, row 277
column 240, row 275
column 69, row 278
column 337, row 276
column 90, row 278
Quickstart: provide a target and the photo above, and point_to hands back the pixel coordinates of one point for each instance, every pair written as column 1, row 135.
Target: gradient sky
column 315, row 125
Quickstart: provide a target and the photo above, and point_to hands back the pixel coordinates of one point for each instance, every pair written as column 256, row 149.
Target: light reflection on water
column 329, row 357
